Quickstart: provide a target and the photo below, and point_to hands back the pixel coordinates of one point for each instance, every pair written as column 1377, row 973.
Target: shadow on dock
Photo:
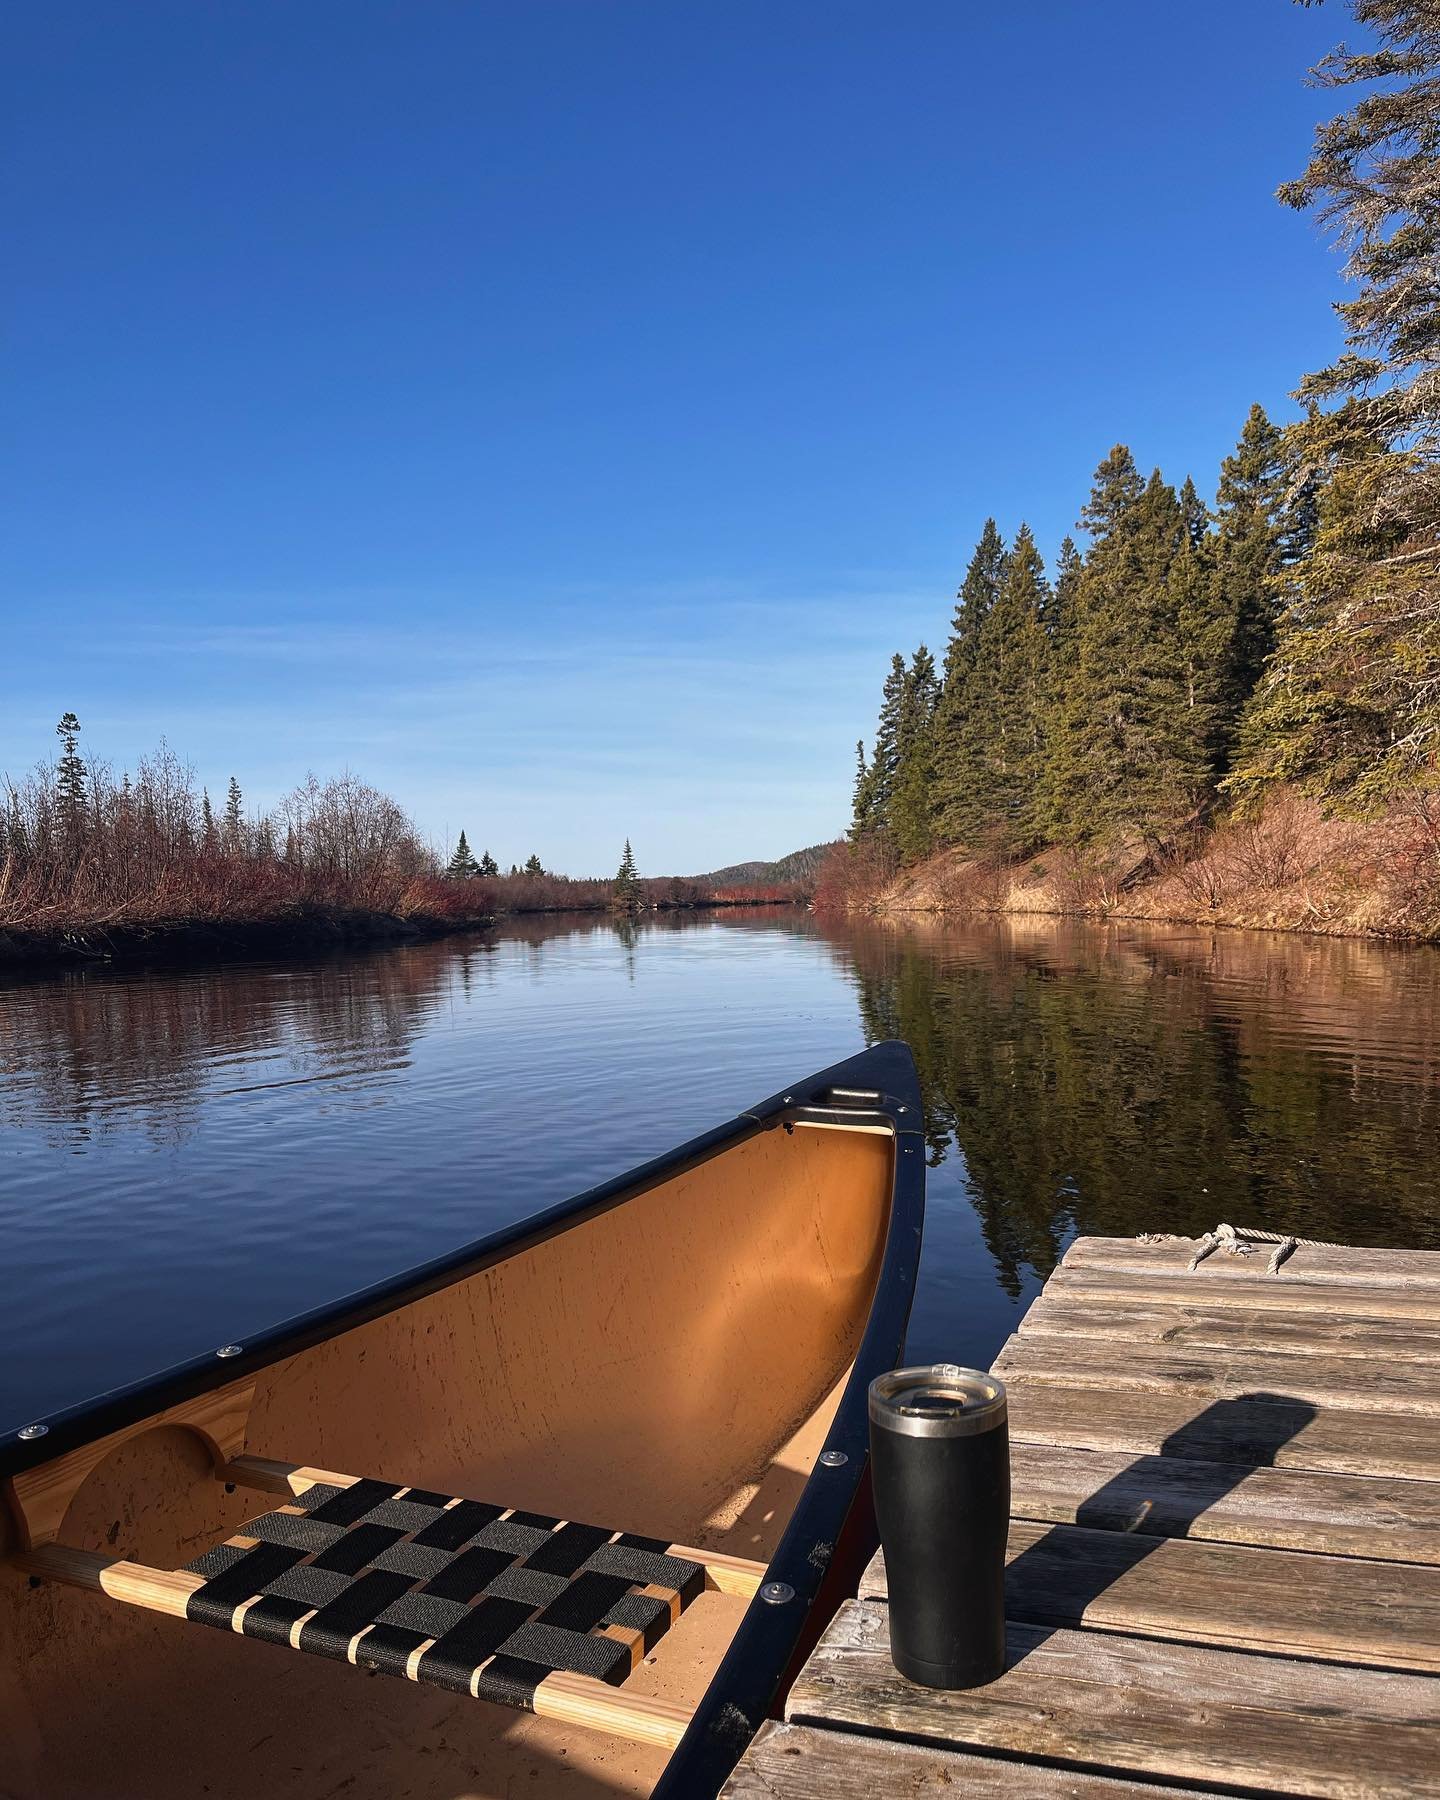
column 1056, row 1579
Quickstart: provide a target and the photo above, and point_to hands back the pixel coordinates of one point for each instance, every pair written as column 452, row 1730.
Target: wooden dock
column 1224, row 1559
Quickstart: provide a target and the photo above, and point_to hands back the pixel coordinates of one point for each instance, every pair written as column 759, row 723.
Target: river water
column 186, row 1156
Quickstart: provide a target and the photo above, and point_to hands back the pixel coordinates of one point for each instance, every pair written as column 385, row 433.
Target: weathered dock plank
column 1281, row 1602
column 1338, row 1267
column 800, row 1763
column 1188, row 1326
column 1377, row 1517
column 1385, row 1386
column 1280, row 1433
column 1109, row 1703
column 1270, row 1293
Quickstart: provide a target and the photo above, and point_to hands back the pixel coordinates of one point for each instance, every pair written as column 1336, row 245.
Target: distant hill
column 799, row 865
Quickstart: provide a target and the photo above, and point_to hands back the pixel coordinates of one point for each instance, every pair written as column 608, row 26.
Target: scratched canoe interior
column 1224, row 1560
column 545, row 1423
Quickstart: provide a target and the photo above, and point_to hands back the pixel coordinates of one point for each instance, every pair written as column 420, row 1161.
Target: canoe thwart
column 548, row 1615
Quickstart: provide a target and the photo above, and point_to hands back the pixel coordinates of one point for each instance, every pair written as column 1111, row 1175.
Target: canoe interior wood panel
column 667, row 1355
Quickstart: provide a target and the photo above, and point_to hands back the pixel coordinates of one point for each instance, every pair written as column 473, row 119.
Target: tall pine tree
column 909, row 809
column 960, row 724
column 1010, row 681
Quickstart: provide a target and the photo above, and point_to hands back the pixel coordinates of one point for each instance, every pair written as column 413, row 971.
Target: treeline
column 1197, row 654
column 86, row 853
column 82, row 849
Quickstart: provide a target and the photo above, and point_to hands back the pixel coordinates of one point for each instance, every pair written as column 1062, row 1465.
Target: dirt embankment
column 1292, row 870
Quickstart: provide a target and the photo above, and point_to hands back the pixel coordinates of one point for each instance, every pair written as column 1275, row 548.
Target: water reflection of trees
column 1116, row 1080
column 89, row 1051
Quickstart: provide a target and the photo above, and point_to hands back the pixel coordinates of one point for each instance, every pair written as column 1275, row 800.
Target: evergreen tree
column 960, row 724
column 625, row 895
column 534, row 866
column 70, row 777
column 488, row 864
column 462, row 865
column 209, row 836
column 1249, row 548
column 860, row 796
column 909, row 806
column 1010, row 675
column 1126, row 757
column 234, row 817
column 878, row 798
column 1350, row 704
column 1205, row 631
column 1061, row 616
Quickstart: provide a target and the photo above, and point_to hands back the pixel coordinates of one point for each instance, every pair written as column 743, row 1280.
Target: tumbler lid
column 942, row 1400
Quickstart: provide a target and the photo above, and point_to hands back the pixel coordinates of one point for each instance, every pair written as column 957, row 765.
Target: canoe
column 587, row 1490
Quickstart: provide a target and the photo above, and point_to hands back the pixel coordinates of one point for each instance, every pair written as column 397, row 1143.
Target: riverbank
column 301, row 931
column 1292, row 870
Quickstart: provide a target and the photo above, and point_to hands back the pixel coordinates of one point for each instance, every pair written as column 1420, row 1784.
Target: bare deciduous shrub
column 1276, row 849
column 853, row 876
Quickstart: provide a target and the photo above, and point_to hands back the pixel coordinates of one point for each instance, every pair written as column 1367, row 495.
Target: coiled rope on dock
column 1238, row 1242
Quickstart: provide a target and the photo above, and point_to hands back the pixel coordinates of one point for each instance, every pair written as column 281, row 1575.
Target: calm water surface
column 188, row 1156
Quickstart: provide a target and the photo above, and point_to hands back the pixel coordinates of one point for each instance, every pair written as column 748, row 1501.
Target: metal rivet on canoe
column 28, row 1433
column 777, row 1593
column 788, row 1100
column 834, row 1459
column 229, row 1350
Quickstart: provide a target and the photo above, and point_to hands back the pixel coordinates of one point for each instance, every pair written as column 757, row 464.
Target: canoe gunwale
column 771, row 1640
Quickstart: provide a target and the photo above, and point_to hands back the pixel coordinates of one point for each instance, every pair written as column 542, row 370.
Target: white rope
column 1239, row 1243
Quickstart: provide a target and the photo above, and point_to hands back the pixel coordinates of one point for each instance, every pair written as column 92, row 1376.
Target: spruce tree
column 534, row 866
column 234, row 817
column 488, row 864
column 960, row 724
column 1061, row 619
column 885, row 758
column 909, row 806
column 1011, row 672
column 860, row 796
column 1127, row 760
column 462, row 865
column 209, row 836
column 70, row 777
column 1205, row 631
column 625, row 895
column 1249, row 549
column 1350, row 703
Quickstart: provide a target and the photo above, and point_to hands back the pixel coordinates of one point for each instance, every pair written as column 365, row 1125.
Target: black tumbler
column 940, row 1460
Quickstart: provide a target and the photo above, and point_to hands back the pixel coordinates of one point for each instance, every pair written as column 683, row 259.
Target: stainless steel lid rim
column 938, row 1400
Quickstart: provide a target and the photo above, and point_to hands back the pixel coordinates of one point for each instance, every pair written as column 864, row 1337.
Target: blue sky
column 558, row 410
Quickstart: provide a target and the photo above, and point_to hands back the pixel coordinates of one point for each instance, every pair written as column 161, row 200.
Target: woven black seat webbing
column 492, row 1600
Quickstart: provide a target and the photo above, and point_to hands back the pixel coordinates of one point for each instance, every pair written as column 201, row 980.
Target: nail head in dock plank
column 804, row 1764
column 1224, row 1559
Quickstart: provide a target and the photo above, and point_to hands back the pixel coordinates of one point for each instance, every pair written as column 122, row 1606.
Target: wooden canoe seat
column 549, row 1615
